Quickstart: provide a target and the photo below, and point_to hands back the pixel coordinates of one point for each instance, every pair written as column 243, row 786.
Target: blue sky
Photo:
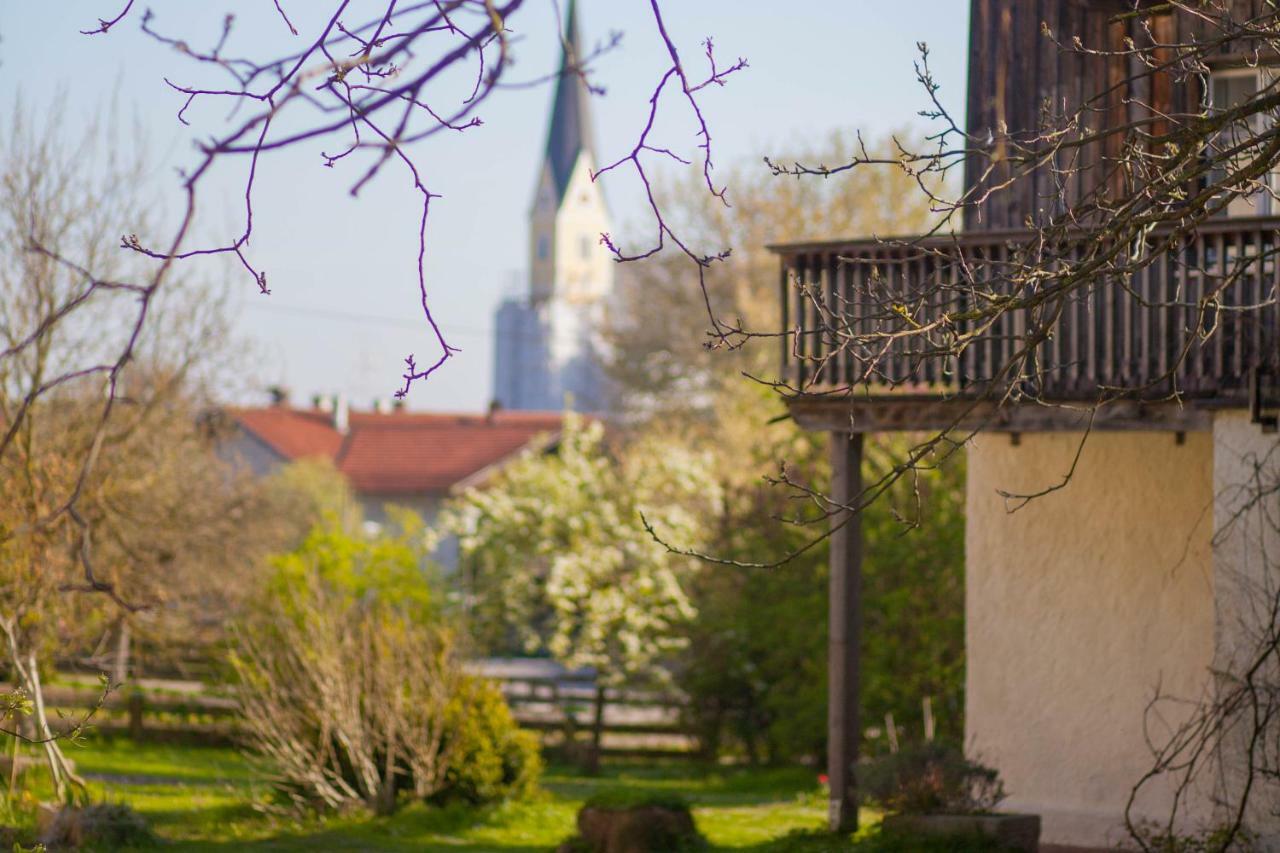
column 343, row 312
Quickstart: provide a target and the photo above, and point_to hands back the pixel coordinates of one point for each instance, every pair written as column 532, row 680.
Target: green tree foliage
column 755, row 667
column 913, row 580
column 556, row 553
column 306, row 492
column 664, row 361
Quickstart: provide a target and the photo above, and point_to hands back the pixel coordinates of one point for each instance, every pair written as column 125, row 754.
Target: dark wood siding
column 1016, row 72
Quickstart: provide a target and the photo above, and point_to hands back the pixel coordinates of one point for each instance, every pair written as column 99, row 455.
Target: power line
column 357, row 317
column 376, row 319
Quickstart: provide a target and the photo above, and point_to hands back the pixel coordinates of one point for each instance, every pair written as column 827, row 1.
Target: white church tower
column 547, row 346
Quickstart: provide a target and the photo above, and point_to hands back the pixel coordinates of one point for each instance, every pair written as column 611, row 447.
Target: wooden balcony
column 1196, row 328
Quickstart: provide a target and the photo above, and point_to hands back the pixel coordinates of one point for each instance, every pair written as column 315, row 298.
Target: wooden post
column 597, row 733
column 844, row 634
column 136, row 709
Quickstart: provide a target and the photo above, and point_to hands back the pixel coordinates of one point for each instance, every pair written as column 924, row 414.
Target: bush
column 932, row 779
column 489, row 757
column 351, row 690
column 1159, row 838
column 876, row 841
column 346, row 671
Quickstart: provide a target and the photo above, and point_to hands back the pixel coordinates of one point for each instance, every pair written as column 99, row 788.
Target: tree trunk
column 120, row 665
column 68, row 788
column 712, row 732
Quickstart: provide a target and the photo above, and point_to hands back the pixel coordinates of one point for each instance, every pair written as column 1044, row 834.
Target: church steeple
column 570, row 131
column 548, row 350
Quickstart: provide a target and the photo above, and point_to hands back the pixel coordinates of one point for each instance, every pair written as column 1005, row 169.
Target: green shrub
column 490, row 757
column 1158, row 838
column 876, row 841
column 346, row 670
column 931, row 779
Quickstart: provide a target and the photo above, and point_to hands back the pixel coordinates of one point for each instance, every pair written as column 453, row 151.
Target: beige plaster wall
column 1078, row 605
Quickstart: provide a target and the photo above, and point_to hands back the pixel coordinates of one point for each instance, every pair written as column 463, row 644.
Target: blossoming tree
column 558, row 557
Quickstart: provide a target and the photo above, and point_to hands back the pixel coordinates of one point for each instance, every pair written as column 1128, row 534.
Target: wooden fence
column 176, row 711
column 569, row 707
column 563, row 707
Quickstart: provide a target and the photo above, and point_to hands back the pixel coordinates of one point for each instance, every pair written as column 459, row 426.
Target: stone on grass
column 657, row 826
column 108, row 826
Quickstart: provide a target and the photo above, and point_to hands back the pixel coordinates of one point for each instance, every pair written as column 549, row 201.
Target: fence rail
column 631, row 722
column 1128, row 331
column 562, row 708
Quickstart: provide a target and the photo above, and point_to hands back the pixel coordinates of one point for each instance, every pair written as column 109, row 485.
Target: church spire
column 570, row 130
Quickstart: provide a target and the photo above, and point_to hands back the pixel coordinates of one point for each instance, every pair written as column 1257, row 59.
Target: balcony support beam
column 844, row 633
column 922, row 413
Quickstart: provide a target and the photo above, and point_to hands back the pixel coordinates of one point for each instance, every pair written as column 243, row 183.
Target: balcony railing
column 1169, row 325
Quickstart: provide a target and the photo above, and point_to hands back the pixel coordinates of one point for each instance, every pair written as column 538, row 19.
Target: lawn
column 203, row 798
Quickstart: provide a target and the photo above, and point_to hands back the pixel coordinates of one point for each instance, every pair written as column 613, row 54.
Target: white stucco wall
column 1246, row 555
column 583, row 268
column 1078, row 606
column 574, row 266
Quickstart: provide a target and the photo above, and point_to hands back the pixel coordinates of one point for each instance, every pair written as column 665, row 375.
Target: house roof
column 570, row 130
column 399, row 452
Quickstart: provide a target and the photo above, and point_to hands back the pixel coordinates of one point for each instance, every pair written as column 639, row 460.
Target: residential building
column 390, row 456
column 1133, row 571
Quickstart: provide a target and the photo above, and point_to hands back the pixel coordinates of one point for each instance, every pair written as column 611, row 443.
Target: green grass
column 208, row 799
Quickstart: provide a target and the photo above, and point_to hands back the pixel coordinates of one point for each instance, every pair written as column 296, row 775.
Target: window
column 584, row 246
column 544, row 247
column 1230, row 87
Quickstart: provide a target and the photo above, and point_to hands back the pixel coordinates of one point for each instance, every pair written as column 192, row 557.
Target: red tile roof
column 399, row 452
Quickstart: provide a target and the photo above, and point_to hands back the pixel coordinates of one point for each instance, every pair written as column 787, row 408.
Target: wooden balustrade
column 1143, row 331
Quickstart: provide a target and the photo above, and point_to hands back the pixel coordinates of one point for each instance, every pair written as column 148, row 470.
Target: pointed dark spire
column 570, row 130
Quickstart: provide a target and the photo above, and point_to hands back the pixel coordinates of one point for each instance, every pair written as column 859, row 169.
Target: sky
column 344, row 312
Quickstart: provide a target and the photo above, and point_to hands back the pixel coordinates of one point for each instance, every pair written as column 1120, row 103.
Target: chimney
column 279, row 395
column 341, row 414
